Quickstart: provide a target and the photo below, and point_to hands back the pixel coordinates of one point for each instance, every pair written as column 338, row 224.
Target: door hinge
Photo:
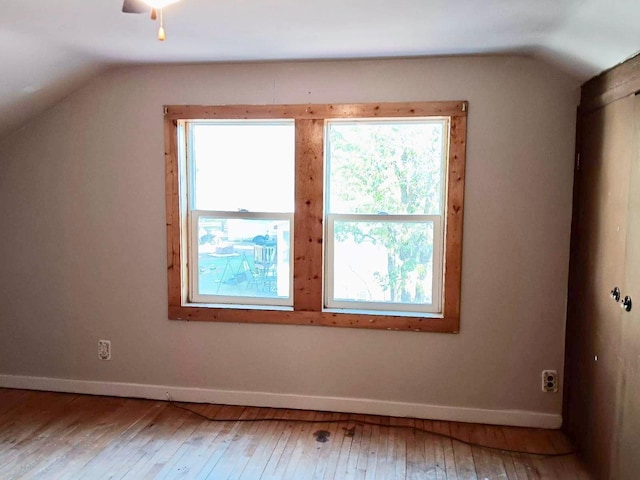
column 578, row 162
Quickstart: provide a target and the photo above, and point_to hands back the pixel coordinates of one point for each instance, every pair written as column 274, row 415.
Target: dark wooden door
column 599, row 240
column 627, row 463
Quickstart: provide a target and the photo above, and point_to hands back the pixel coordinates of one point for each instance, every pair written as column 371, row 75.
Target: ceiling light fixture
column 140, row 6
column 159, row 3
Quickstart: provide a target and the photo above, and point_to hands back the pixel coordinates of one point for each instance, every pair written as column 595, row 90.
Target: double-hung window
column 335, row 215
column 240, row 181
column 384, row 212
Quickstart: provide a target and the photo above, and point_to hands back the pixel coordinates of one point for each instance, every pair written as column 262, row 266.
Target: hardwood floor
column 51, row 435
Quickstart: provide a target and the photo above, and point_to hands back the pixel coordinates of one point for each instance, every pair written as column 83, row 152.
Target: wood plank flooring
column 47, row 435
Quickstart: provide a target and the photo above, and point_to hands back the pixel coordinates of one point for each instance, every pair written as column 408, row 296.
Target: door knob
column 626, row 304
column 615, row 294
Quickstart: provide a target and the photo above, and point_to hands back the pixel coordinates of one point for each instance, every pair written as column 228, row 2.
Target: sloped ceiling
column 48, row 49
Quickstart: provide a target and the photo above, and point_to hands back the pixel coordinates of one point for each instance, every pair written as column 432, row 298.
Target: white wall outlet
column 104, row 349
column 549, row 381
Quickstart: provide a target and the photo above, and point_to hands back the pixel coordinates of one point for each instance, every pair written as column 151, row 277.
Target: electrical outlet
column 549, row 381
column 104, row 349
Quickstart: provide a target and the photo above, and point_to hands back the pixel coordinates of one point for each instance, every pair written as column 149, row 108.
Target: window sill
column 224, row 306
column 383, row 313
column 334, row 318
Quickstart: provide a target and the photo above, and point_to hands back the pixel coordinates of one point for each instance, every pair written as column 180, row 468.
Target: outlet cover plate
column 104, row 349
column 550, row 381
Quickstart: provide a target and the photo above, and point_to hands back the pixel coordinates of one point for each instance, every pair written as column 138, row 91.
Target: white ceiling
column 49, row 48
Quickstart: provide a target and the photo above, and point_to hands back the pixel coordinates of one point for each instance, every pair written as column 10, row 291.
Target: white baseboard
column 281, row 400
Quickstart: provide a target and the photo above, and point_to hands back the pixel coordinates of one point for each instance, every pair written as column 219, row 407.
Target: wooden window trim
column 308, row 217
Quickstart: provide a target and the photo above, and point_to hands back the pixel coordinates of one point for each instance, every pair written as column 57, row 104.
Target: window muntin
column 385, row 222
column 240, row 176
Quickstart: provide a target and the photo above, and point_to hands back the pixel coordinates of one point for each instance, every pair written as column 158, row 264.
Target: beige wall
column 83, row 240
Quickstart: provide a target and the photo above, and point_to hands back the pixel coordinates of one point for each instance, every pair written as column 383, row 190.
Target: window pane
column 243, row 165
column 391, row 166
column 389, row 262
column 243, row 258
